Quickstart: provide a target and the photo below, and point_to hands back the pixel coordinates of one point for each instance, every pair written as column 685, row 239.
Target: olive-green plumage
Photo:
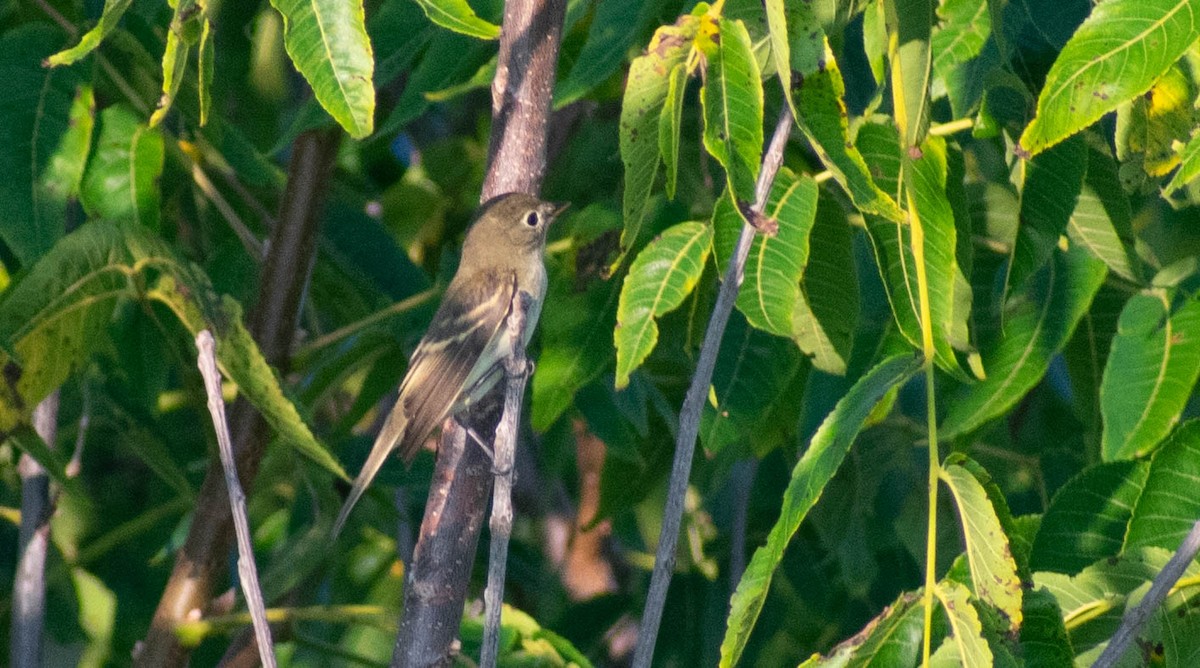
column 462, row 354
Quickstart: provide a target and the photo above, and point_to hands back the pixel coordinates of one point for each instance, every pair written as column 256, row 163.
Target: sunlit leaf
column 110, row 17
column 1118, row 53
column 819, row 107
column 909, row 24
column 993, row 571
column 327, row 42
column 641, row 109
column 664, row 272
column 964, row 621
column 1149, row 125
column 732, row 98
column 458, row 16
column 1101, row 220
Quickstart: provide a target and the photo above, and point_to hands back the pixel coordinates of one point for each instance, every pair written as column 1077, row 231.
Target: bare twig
column 440, row 571
column 693, row 403
column 1163, row 583
column 272, row 323
column 29, row 582
column 504, row 447
column 247, row 571
column 742, row 480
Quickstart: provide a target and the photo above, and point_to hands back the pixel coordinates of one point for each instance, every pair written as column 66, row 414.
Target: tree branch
column 1159, row 590
column 445, row 551
column 206, row 360
column 29, row 581
column 290, row 253
column 693, row 402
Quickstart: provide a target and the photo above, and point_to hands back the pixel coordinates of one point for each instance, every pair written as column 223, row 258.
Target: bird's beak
column 560, row 207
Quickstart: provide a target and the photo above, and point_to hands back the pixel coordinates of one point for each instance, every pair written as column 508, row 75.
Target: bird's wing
column 457, row 353
column 464, row 330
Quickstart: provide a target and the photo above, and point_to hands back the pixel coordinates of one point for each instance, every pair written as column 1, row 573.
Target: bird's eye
column 532, row 219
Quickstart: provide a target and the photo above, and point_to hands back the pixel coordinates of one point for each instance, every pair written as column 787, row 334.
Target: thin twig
column 693, row 403
column 247, row 571
column 504, row 448
column 29, row 581
column 1163, row 583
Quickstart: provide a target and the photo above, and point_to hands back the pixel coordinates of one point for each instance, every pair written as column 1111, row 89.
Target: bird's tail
column 391, row 433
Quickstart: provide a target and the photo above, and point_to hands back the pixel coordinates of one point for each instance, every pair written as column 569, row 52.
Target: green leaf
column 109, row 19
column 1038, row 322
column 753, row 373
column 892, row 638
column 576, row 342
column 892, row 242
column 458, row 16
column 1151, row 369
column 777, row 32
column 57, row 314
column 1189, row 166
column 1088, row 517
column 959, row 38
column 1101, row 220
column 1169, row 506
column 205, row 66
column 819, row 107
column 449, row 60
column 641, row 109
column 669, row 125
column 816, row 467
column 967, row 631
column 1043, row 636
column 1095, row 599
column 664, row 272
column 121, row 182
column 182, row 35
column 1053, row 181
column 909, row 23
column 1118, row 53
column 732, row 98
column 327, row 41
column 993, row 570
column 1150, row 125
column 826, row 312
column 610, row 35
column 45, row 133
column 775, row 265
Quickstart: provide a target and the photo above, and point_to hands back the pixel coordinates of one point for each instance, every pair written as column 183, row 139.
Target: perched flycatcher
column 462, row 355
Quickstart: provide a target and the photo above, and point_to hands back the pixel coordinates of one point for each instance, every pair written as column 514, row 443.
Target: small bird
column 461, row 356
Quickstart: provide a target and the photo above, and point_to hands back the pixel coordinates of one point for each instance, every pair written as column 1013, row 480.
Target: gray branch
column 504, row 453
column 693, row 402
column 247, row 571
column 1163, row 582
column 29, row 582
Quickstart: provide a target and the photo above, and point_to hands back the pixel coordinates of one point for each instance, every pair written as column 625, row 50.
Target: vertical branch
column 247, row 571
column 29, row 582
column 693, row 402
column 504, row 446
column 290, row 254
column 445, row 550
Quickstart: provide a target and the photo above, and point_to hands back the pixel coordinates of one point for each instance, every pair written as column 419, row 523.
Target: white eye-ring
column 532, row 219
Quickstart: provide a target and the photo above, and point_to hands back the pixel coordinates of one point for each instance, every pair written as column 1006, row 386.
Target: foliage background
column 1006, row 186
